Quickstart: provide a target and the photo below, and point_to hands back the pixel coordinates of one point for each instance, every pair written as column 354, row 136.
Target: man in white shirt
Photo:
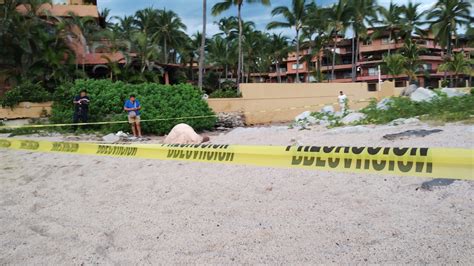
column 342, row 99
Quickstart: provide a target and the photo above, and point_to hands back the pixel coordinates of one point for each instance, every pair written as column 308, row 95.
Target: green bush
column 441, row 108
column 225, row 93
column 26, row 92
column 158, row 101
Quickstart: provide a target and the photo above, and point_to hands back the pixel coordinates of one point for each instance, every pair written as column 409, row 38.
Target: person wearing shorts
column 133, row 107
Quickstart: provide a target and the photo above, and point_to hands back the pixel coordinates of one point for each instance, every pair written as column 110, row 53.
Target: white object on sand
column 183, row 134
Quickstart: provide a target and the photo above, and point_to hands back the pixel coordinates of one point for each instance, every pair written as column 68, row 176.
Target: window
column 373, row 71
column 60, row 2
column 427, row 66
column 294, row 66
column 372, row 87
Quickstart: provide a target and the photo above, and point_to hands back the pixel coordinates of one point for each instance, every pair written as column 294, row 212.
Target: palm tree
column 394, row 64
column 363, row 14
column 411, row 52
column 170, row 31
column 293, row 19
column 444, row 18
column 220, row 7
column 339, row 17
column 278, row 49
column 317, row 35
column 391, row 20
column 226, row 25
column 203, row 43
column 458, row 65
column 412, row 20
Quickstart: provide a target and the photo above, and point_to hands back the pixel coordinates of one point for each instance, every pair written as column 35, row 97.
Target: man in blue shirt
column 133, row 107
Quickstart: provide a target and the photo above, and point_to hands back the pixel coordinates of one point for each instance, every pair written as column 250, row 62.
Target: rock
column 324, row 123
column 412, row 120
column 404, row 121
column 111, row 138
column 422, row 95
column 352, row 118
column 303, row 115
column 384, row 104
column 338, row 114
column 312, row 120
column 328, row 109
column 450, row 92
column 349, row 130
column 409, row 90
column 230, row 120
column 121, row 134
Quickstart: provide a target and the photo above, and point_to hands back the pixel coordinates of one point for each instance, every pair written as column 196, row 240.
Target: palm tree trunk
column 353, row 60
column 334, row 57
column 239, row 64
column 277, row 66
column 356, row 55
column 203, row 43
column 165, row 51
column 389, row 41
column 297, row 56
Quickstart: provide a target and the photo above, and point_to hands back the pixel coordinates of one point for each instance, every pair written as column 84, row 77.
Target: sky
column 190, row 11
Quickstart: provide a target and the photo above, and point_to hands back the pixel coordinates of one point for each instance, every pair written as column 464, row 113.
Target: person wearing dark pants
column 81, row 108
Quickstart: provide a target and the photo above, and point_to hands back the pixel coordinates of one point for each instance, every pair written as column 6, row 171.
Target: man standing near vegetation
column 81, row 108
column 133, row 107
column 342, row 99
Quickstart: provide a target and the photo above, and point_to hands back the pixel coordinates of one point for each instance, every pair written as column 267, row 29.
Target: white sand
column 72, row 209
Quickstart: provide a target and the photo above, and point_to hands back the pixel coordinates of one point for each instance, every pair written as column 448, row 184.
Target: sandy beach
column 72, row 209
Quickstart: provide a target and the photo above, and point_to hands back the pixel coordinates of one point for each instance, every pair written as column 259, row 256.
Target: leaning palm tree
column 391, row 21
column 363, row 14
column 220, row 7
column 203, row 43
column 338, row 17
column 444, row 18
column 294, row 17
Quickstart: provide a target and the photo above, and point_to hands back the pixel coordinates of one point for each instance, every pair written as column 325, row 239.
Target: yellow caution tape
column 423, row 162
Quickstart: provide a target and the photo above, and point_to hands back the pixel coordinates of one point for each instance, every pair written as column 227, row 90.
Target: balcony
column 336, row 67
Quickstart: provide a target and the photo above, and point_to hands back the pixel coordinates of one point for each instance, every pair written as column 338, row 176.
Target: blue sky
column 190, row 11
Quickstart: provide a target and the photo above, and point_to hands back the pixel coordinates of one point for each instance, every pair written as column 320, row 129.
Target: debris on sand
column 437, row 182
column 411, row 133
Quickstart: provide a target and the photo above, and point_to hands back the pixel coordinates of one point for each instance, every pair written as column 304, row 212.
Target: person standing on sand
column 81, row 108
column 342, row 99
column 133, row 107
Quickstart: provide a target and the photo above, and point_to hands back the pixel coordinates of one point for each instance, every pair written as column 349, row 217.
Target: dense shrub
column 441, row 108
column 158, row 101
column 225, row 93
column 26, row 92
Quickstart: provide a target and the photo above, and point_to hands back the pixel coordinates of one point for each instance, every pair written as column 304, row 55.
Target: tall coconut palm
column 203, row 43
column 363, row 14
column 278, row 49
column 391, row 21
column 317, row 35
column 220, row 7
column 444, row 18
column 226, row 25
column 294, row 17
column 413, row 20
column 411, row 52
column 339, row 20
column 169, row 30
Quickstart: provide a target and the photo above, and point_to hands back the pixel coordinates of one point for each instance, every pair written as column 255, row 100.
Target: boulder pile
column 229, row 120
